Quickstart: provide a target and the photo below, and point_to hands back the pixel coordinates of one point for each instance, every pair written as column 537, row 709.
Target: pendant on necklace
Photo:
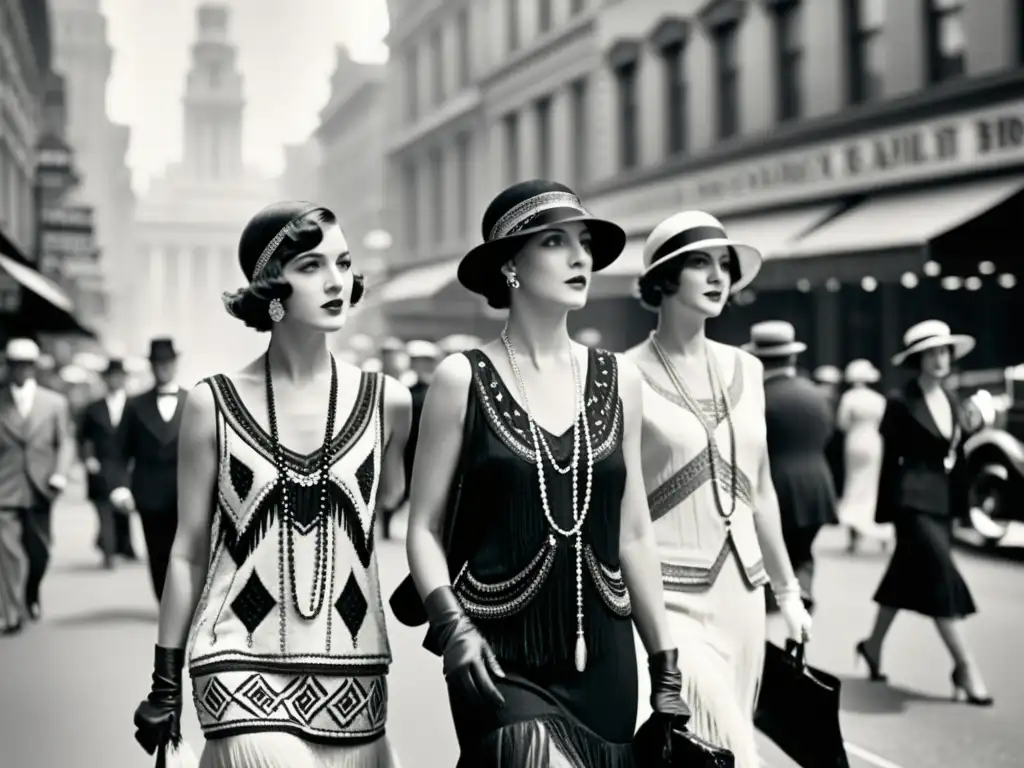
column 949, row 462
column 581, row 653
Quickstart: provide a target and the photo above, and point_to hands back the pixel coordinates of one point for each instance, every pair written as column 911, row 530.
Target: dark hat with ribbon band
column 161, row 350
column 689, row 231
column 522, row 211
column 773, row 338
column 930, row 334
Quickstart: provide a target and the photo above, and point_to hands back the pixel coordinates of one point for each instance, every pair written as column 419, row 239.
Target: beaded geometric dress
column 258, row 661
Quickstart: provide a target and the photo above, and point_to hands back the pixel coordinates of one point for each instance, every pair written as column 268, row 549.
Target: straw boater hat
column 861, row 371
column 522, row 211
column 827, row 374
column 689, row 231
column 929, row 335
column 774, row 338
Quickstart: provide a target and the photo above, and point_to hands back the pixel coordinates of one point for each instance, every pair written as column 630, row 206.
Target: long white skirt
column 720, row 634
column 282, row 750
column 862, row 464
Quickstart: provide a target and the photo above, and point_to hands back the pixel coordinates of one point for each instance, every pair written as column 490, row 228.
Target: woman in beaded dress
column 273, row 579
column 531, row 569
column 705, row 466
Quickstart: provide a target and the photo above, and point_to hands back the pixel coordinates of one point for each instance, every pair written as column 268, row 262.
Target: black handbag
column 798, row 709
column 664, row 742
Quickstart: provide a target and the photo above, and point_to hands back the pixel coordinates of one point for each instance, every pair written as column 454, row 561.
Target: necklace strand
column 579, row 511
column 286, row 530
column 694, row 405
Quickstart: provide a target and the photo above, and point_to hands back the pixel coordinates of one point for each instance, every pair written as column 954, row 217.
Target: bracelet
column 789, row 590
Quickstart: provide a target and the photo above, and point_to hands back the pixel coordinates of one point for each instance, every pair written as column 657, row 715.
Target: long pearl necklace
column 579, row 512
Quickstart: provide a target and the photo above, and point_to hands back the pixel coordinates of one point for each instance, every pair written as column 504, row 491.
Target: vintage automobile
column 995, row 450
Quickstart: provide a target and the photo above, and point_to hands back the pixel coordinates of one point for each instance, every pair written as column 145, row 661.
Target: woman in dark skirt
column 922, row 488
column 532, row 569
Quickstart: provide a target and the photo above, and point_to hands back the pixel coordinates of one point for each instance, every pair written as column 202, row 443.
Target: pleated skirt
column 282, row 750
column 720, row 633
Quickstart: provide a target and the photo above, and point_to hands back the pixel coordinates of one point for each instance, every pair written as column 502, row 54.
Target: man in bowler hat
column 800, row 422
column 100, row 450
column 149, row 444
column 36, row 453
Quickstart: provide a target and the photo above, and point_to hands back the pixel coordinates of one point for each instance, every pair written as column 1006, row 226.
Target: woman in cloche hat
column 857, row 418
column 706, row 472
column 527, row 592
column 273, row 577
column 922, row 488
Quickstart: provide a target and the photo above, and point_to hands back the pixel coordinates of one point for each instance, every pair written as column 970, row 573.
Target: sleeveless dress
column 859, row 416
column 518, row 585
column 272, row 687
column 712, row 568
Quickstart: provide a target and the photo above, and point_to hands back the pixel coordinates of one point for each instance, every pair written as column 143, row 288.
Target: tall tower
column 213, row 100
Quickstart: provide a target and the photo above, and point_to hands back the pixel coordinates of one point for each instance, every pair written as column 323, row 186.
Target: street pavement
column 69, row 685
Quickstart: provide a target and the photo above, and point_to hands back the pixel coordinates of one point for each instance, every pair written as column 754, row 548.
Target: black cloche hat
column 523, row 210
column 162, row 350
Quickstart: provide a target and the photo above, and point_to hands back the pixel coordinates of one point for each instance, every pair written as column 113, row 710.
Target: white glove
column 92, row 465
column 798, row 620
column 58, row 482
column 122, row 499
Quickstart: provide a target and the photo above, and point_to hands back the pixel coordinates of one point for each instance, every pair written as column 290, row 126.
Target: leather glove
column 158, row 717
column 667, row 684
column 469, row 663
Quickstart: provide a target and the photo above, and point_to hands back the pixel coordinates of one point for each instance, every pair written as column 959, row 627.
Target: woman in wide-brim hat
column 283, row 467
column 703, row 403
column 551, row 532
column 922, row 490
column 857, row 419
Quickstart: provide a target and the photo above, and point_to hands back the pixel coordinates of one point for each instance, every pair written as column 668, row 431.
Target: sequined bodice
column 256, row 661
column 519, row 582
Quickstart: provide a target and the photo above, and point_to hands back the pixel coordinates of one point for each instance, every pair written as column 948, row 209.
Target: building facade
column 188, row 222
column 845, row 138
column 82, row 54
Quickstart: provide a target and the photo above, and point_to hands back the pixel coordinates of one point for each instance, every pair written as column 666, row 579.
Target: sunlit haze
column 286, row 53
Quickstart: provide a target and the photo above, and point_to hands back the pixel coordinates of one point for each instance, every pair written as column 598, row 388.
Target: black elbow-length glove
column 158, row 717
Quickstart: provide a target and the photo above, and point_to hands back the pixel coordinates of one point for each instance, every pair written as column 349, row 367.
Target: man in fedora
column 149, row 444
column 101, row 453
column 800, row 423
column 36, row 453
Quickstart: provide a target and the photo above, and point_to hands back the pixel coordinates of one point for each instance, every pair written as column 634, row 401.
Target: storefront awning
column 36, row 282
column 417, row 283
column 771, row 233
column 905, row 220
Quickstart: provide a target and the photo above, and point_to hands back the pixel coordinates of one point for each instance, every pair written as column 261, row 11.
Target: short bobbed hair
column 663, row 281
column 303, row 231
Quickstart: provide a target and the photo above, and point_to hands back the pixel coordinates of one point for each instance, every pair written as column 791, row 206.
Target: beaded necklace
column 287, row 481
column 579, row 512
column 693, row 404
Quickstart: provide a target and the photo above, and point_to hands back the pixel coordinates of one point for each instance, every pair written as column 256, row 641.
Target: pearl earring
column 276, row 311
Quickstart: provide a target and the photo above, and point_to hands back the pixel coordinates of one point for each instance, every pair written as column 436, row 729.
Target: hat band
column 268, row 252
column 767, row 345
column 547, row 218
column 929, row 337
column 685, row 238
column 526, row 213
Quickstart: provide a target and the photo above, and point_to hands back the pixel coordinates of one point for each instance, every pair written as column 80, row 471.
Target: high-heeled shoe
column 874, row 671
column 962, row 692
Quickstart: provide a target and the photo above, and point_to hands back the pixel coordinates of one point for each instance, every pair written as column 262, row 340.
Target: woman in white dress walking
column 859, row 414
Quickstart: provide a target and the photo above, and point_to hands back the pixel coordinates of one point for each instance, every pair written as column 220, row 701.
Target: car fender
column 999, row 440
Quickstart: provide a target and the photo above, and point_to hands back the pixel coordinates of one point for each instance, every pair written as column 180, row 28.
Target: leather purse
column 664, row 742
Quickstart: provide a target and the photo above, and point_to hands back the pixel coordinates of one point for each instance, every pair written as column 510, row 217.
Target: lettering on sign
column 68, row 217
column 959, row 144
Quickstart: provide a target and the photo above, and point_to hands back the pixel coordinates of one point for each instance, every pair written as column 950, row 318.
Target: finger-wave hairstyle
column 663, row 281
column 302, row 227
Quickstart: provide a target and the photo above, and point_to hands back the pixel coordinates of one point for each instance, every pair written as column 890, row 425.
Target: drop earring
column 276, row 311
column 512, row 280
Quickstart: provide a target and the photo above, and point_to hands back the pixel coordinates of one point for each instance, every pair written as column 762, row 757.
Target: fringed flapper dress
column 712, row 569
column 519, row 585
column 288, row 650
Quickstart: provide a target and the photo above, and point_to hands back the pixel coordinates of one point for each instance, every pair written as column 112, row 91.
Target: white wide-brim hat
column 22, row 351
column 827, row 374
column 422, row 349
column 931, row 334
column 689, row 231
column 861, row 371
column 773, row 338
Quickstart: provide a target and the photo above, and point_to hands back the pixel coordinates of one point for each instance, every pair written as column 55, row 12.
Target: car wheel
column 988, row 504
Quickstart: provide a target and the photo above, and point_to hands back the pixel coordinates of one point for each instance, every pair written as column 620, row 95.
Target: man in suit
column 100, row 450
column 148, row 434
column 36, row 453
column 800, row 423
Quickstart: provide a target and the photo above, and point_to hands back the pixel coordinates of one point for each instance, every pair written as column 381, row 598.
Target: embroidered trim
column 692, row 476
column 676, row 577
column 517, row 217
column 707, row 405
